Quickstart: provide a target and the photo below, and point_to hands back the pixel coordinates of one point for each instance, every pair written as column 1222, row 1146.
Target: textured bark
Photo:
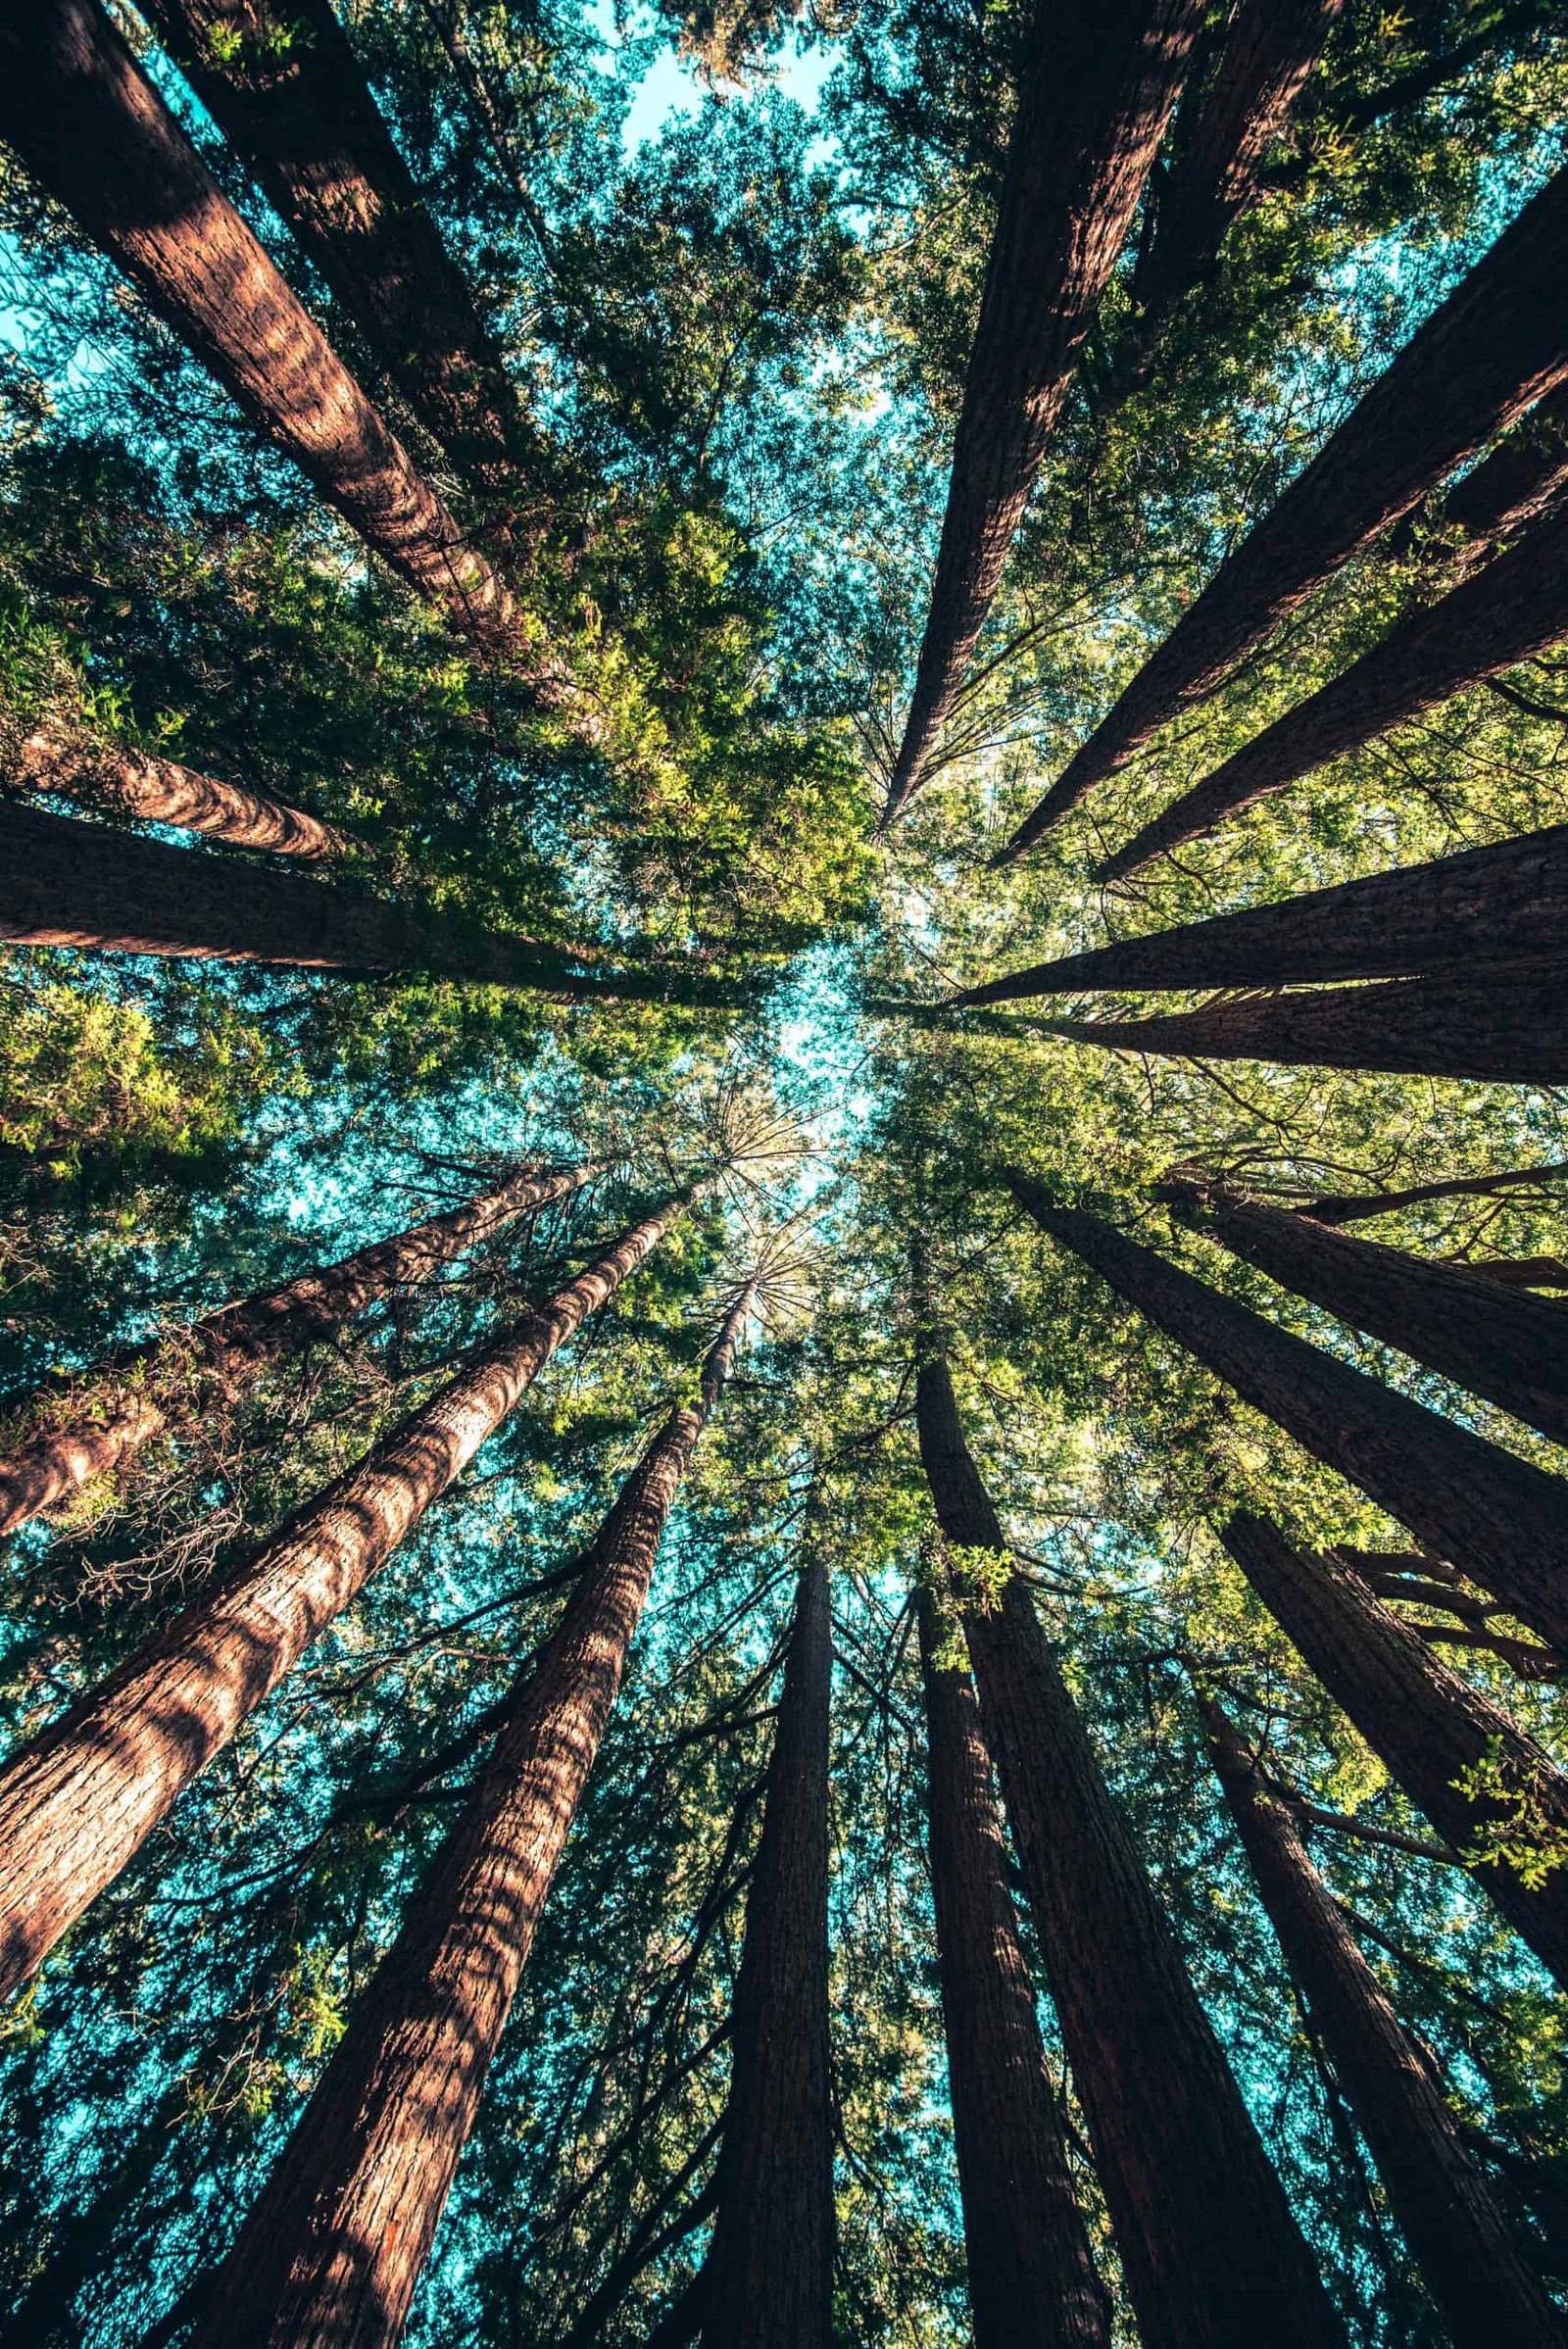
column 1358, row 1205
column 1525, row 473
column 1097, row 91
column 79, row 1801
column 1484, row 2289
column 332, row 2252
column 159, row 791
column 88, row 123
column 98, row 1416
column 1501, row 1520
column 768, row 2283
column 1485, row 355
column 1517, row 606
column 1211, row 2252
column 1032, row 2280
column 1422, row 1720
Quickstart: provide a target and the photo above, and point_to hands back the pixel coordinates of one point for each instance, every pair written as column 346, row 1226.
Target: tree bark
column 88, row 123
column 79, row 1801
column 113, row 1407
column 1097, row 91
column 159, row 791
column 1486, row 2291
column 1357, row 1206
column 332, row 2252
column 1498, row 1519
column 1211, row 2252
column 768, row 2283
column 1513, row 487
column 1032, row 2279
column 1427, row 1725
column 1485, row 355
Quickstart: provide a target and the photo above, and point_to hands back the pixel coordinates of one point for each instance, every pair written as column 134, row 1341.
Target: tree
column 159, row 791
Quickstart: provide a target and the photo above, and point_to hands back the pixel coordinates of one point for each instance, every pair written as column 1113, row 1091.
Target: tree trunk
column 1423, row 1721
column 87, row 123
column 1501, row 1520
column 331, row 2254
column 1097, row 91
column 1515, row 485
column 1032, row 2280
column 1357, row 1206
column 768, row 2283
column 1211, row 2254
column 98, row 1416
column 1492, row 349
column 159, row 791
column 91, row 888
column 1517, row 606
column 1486, row 2292
column 79, row 1801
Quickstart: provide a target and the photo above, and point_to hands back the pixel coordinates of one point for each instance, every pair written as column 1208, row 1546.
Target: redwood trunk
column 332, row 2252
column 79, row 1801
column 1501, row 1520
column 1486, row 2292
column 1492, row 348
column 88, row 123
column 1032, row 2280
column 1514, row 486
column 1211, row 2252
column 1097, row 93
column 116, row 1405
column 769, row 2279
column 1422, row 1720
column 159, row 791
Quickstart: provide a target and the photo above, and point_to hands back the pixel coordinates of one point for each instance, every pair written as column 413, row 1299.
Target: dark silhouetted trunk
column 768, row 2283
column 159, row 791
column 79, row 1801
column 1492, row 348
column 93, row 1419
column 1486, row 2291
column 88, row 123
column 331, row 2254
column 1211, row 2254
column 1032, row 2280
column 1501, row 1520
column 1513, row 486
column 1097, row 91
column 1423, row 1721
column 1359, row 1207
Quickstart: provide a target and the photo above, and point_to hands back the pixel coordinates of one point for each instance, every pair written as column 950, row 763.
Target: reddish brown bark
column 88, row 123
column 331, row 2254
column 1486, row 2291
column 1525, row 473
column 79, row 1801
column 1501, row 1520
column 1032, row 2280
column 1097, row 91
column 159, row 791
column 116, row 1405
column 1485, row 355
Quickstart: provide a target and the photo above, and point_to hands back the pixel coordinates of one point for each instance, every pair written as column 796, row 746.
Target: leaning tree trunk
column 1501, row 1520
column 331, row 2254
column 79, row 1801
column 1211, row 2252
column 90, row 1421
column 1517, row 606
column 1428, row 1726
column 768, row 2283
column 88, row 123
column 1486, row 2293
column 1494, row 346
column 159, row 791
column 1097, row 91
column 1359, row 1207
column 1032, row 2279
column 1516, row 484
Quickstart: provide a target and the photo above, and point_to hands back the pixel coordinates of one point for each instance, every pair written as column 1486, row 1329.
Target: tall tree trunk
column 79, row 1801
column 1502, row 1028
column 1492, row 349
column 331, row 2254
column 1486, row 2291
column 95, row 1418
column 1357, row 1206
column 1096, row 90
column 88, row 123
column 159, row 791
column 1525, row 473
column 1423, row 1721
column 87, row 886
column 768, row 2283
column 1032, row 2280
column 1517, row 606
column 1211, row 2254
column 1501, row 1520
